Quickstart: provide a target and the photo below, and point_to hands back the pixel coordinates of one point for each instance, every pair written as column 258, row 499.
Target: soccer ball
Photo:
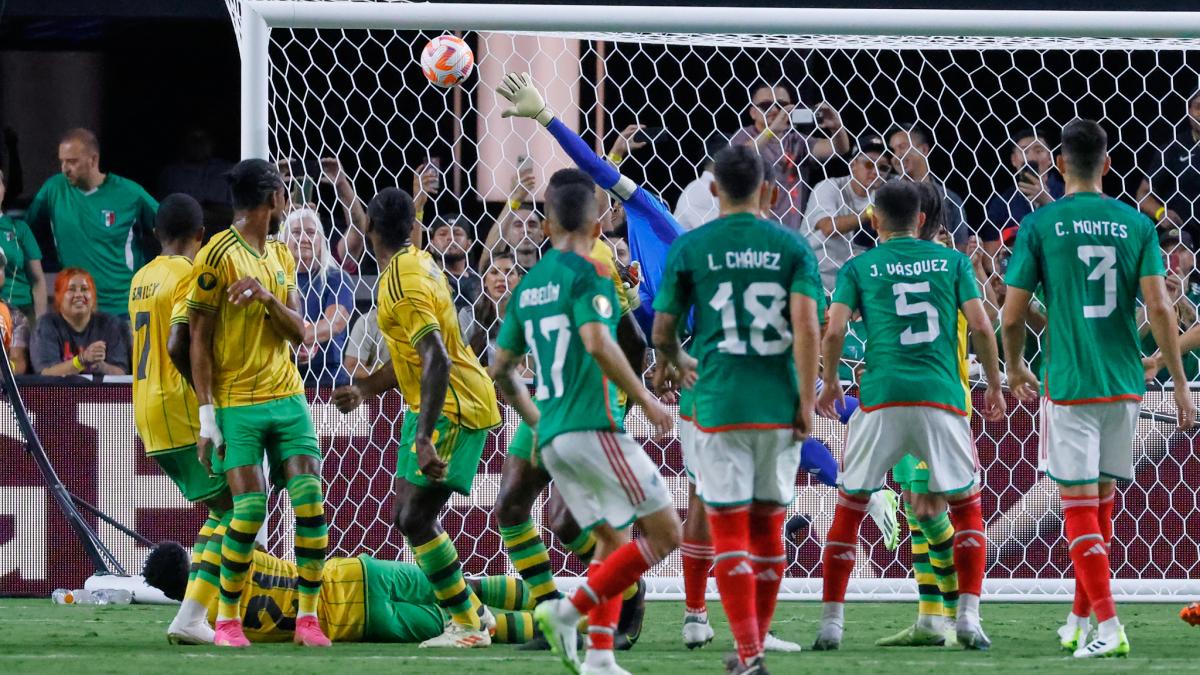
column 447, row 61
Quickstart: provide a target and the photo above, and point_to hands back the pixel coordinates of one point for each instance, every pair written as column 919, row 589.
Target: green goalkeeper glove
column 518, row 89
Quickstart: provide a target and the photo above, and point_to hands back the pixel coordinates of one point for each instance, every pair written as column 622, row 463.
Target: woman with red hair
column 77, row 338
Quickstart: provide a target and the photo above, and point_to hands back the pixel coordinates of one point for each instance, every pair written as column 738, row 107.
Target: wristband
column 208, row 422
column 420, row 216
column 868, row 212
column 615, row 158
column 514, row 204
column 768, row 133
column 1162, row 211
column 78, row 363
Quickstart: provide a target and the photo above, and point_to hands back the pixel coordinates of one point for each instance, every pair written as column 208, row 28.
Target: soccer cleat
column 610, row 668
column 914, row 636
column 734, row 666
column 882, row 509
column 696, row 631
column 459, row 637
column 558, row 625
column 829, row 639
column 487, row 620
column 309, row 634
column 1191, row 614
column 1117, row 645
column 971, row 636
column 194, row 633
column 633, row 614
column 1071, row 637
column 229, row 634
column 774, row 643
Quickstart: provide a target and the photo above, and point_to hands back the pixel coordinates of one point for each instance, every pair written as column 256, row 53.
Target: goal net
column 983, row 98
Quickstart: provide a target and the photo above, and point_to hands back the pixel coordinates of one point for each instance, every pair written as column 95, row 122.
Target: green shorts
column 912, row 474
column 401, row 606
column 281, row 428
column 461, row 448
column 184, row 469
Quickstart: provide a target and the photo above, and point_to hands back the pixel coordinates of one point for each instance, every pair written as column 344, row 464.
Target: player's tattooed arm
column 202, row 325
column 1013, row 319
column 504, row 373
column 286, row 318
column 806, row 340
column 435, row 381
column 675, row 365
column 831, row 397
column 984, row 339
column 179, row 345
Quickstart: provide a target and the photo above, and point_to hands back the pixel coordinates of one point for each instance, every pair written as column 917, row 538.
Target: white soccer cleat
column 487, row 620
column 605, row 669
column 190, row 633
column 882, row 509
column 459, row 637
column 971, row 636
column 697, row 632
column 774, row 643
column 558, row 625
column 830, row 637
column 1102, row 647
column 1071, row 637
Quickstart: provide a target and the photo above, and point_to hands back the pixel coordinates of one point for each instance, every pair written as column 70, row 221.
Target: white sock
column 301, row 615
column 968, row 607
column 598, row 658
column 702, row 614
column 930, row 622
column 833, row 613
column 567, row 611
column 1075, row 621
column 190, row 612
column 1110, row 629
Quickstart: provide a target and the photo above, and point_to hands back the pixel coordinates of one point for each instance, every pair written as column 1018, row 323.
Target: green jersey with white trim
column 735, row 275
column 909, row 292
column 1088, row 254
column 560, row 294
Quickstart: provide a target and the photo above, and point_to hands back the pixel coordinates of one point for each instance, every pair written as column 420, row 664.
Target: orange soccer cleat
column 1191, row 614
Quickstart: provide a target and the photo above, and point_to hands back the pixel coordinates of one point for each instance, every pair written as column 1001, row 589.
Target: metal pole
column 255, row 73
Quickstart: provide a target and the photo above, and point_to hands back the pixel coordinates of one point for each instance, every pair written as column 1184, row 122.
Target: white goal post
column 963, row 73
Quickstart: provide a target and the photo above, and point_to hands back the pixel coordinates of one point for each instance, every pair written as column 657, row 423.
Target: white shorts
column 687, row 446
column 604, row 477
column 876, row 440
column 1084, row 443
column 746, row 465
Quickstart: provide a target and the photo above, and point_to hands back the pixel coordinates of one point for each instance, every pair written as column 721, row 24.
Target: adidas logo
column 848, row 555
column 742, row 568
column 1095, row 549
column 768, row 575
column 970, row 542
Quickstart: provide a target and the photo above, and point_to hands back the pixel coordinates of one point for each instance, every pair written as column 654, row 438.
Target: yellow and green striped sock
column 503, row 592
column 514, row 627
column 439, row 561
column 206, row 531
column 583, row 546
column 528, row 554
column 929, row 598
column 312, row 539
column 205, row 578
column 940, row 533
column 237, row 550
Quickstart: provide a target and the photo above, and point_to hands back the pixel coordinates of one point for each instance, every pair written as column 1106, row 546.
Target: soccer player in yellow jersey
column 451, row 406
column 363, row 599
column 164, row 406
column 244, row 318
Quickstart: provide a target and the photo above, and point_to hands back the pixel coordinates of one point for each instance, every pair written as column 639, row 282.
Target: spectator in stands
column 1170, row 189
column 789, row 147
column 518, row 229
column 14, row 326
column 1181, row 267
column 1034, row 183
column 911, row 145
column 25, row 287
column 100, row 222
column 366, row 351
column 302, row 178
column 838, row 219
column 78, row 338
column 989, row 272
column 327, row 296
column 480, row 323
column 697, row 205
column 449, row 245
column 197, row 172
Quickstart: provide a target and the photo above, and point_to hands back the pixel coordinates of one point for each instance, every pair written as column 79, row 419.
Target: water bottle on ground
column 112, row 596
column 79, row 596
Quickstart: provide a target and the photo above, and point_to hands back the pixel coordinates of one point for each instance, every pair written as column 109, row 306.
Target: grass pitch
column 37, row 636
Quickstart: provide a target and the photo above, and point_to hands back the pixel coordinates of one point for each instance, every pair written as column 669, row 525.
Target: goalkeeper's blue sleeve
column 605, row 174
column 844, row 412
column 816, row 459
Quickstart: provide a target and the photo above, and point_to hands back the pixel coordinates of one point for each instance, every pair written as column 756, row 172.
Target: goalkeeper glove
column 519, row 89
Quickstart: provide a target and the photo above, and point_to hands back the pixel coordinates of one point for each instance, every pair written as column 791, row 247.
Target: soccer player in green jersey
column 1091, row 256
column 909, row 292
column 753, row 289
column 564, row 313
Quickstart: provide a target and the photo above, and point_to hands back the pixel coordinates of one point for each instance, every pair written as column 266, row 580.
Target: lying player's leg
column 521, row 482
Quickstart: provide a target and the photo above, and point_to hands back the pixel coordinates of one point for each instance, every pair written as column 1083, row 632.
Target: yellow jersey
column 270, row 599
column 415, row 300
column 164, row 405
column 603, row 253
column 252, row 361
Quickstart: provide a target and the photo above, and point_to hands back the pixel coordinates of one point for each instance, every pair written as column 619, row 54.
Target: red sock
column 602, row 620
column 1089, row 555
column 1104, row 514
column 841, row 546
column 970, row 545
column 619, row 571
column 697, row 561
column 735, row 577
column 768, row 559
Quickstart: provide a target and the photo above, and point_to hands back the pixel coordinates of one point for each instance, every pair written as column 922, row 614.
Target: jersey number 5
column 557, row 331
column 920, row 308
column 763, row 316
column 1106, row 271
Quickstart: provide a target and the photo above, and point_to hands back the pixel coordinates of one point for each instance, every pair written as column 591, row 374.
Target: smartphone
column 804, row 119
column 524, row 163
column 434, row 165
column 1029, row 174
column 306, row 168
column 648, row 134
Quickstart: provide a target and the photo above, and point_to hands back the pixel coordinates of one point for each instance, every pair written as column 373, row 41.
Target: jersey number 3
column 763, row 316
column 1105, row 271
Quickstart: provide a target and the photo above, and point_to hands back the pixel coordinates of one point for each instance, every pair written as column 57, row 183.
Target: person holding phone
column 1032, row 182
column 788, row 148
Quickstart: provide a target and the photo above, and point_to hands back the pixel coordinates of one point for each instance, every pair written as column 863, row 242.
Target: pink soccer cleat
column 309, row 633
column 229, row 634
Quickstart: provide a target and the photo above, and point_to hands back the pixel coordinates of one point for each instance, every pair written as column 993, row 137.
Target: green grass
column 37, row 636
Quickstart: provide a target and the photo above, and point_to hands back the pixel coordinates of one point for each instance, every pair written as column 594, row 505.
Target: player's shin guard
column 514, row 627
column 529, row 556
column 939, row 533
column 237, row 549
column 1104, row 515
column 610, row 578
column 841, row 546
column 929, row 597
column 438, row 559
column 767, row 559
column 735, row 576
column 1089, row 555
column 697, row 560
column 970, row 552
column 504, row 592
column 205, row 579
column 312, row 539
column 583, row 546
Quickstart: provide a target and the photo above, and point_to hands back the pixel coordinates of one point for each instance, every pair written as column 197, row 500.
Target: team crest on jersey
column 207, row 281
column 279, row 277
column 109, row 217
column 602, row 306
column 10, row 236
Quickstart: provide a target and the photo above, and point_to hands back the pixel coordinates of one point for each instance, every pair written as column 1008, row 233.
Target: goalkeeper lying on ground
column 362, row 599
